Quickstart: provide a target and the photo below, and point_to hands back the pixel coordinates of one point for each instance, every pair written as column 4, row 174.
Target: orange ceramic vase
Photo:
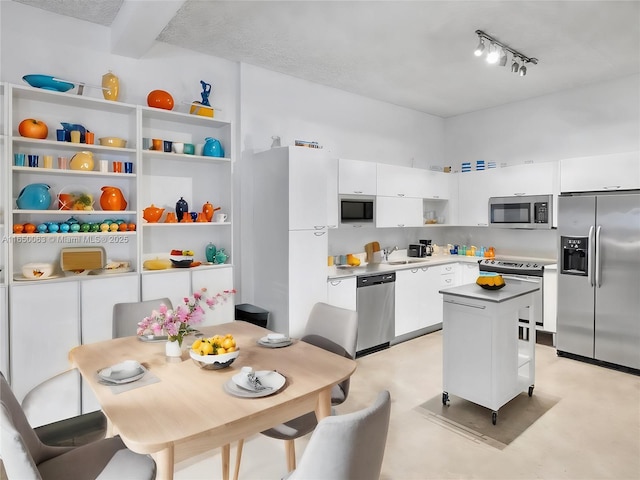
column 112, row 199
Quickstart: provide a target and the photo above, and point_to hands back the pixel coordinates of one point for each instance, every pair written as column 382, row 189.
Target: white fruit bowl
column 214, row 362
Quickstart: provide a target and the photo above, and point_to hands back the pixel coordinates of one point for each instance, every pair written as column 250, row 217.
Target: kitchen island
column 484, row 360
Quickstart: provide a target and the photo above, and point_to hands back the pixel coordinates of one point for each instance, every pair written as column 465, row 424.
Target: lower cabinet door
column 44, row 326
column 216, row 280
column 173, row 285
column 418, row 303
column 307, row 276
column 342, row 292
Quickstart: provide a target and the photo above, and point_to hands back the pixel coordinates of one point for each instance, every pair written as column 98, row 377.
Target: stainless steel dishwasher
column 375, row 303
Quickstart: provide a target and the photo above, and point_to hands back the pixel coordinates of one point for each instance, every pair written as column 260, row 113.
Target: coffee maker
column 428, row 247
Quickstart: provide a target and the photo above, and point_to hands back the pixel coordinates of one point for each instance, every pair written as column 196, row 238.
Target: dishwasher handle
column 369, row 280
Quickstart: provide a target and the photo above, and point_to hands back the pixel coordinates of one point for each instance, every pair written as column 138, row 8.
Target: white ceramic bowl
column 37, row 271
column 113, row 142
column 214, row 362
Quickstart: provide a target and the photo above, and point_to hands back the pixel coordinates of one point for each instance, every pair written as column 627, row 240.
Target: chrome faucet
column 387, row 251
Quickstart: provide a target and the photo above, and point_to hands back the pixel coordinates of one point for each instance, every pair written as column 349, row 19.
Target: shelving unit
column 77, row 309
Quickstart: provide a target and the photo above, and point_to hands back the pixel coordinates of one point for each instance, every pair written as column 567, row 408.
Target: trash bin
column 252, row 314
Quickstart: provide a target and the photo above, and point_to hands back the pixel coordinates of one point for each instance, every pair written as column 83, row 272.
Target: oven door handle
column 521, row 279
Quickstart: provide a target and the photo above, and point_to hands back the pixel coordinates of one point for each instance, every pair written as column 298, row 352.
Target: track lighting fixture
column 497, row 53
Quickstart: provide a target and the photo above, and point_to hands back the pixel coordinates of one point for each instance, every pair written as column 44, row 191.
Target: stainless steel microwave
column 528, row 211
column 357, row 210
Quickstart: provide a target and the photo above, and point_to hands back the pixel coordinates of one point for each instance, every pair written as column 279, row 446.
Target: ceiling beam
column 139, row 23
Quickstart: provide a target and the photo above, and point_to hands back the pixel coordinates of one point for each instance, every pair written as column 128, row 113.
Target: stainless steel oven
column 522, row 272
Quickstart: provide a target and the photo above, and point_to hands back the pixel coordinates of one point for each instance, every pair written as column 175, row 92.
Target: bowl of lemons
column 215, row 352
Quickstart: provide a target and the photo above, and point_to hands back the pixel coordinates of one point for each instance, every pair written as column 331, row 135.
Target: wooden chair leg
column 226, row 453
column 290, row 450
column 236, row 473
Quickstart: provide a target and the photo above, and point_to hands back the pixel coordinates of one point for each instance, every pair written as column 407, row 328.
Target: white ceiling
column 416, row 54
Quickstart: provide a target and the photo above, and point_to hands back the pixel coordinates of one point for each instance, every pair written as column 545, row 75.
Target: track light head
column 480, row 48
column 493, row 55
column 503, row 57
column 523, row 70
column 514, row 66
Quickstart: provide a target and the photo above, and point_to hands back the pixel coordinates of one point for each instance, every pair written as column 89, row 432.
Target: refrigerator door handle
column 590, row 255
column 598, row 263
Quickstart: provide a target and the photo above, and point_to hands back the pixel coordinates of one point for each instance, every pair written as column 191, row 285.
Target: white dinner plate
column 266, row 343
column 153, row 338
column 238, row 385
column 125, row 372
column 18, row 277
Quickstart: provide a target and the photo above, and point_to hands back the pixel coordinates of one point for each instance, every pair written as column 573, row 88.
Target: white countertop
column 512, row 289
column 336, row 272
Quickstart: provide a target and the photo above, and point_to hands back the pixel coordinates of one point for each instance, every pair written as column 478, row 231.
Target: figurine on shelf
column 203, row 108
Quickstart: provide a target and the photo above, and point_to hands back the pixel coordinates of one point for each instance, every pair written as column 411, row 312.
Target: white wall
column 597, row 119
column 346, row 125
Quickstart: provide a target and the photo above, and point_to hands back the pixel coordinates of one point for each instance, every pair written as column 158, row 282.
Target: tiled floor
column 593, row 432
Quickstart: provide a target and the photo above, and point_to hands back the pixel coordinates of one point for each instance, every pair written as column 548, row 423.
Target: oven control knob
column 528, row 266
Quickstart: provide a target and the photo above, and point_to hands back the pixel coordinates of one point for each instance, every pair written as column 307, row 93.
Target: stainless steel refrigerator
column 599, row 277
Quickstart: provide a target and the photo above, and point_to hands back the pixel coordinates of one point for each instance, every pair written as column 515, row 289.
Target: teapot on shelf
column 221, row 256
column 152, row 214
column 208, row 210
column 210, row 253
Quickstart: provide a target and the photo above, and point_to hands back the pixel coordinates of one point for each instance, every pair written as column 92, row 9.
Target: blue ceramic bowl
column 47, row 82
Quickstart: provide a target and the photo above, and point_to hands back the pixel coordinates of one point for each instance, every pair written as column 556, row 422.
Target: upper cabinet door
column 397, row 181
column 398, row 212
column 435, row 184
column 308, row 171
column 528, row 179
column 619, row 171
column 356, row 177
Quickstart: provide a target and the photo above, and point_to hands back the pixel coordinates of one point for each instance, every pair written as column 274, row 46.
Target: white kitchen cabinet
column 308, row 265
column 474, row 190
column 307, row 201
column 215, row 280
column 97, row 298
column 356, row 177
column 527, row 179
column 341, row 292
column 619, row 171
column 289, row 264
column 174, row 284
column 435, row 185
column 398, row 181
column 177, row 284
column 418, row 304
column 45, row 326
column 398, row 212
column 333, row 203
column 468, row 272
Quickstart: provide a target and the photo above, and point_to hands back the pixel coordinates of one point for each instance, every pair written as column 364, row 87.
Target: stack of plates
column 275, row 340
column 479, row 164
column 239, row 385
column 466, row 167
column 125, row 372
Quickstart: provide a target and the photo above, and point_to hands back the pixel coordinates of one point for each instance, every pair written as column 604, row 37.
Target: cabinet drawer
column 450, row 268
column 448, row 280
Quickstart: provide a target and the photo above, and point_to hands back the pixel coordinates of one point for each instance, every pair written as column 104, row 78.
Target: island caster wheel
column 531, row 390
column 494, row 417
column 445, row 398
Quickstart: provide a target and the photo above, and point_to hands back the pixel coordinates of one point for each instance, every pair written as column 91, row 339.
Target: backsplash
column 507, row 242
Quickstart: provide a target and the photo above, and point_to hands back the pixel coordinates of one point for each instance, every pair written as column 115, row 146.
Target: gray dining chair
column 25, row 456
column 127, row 315
column 349, row 446
column 333, row 329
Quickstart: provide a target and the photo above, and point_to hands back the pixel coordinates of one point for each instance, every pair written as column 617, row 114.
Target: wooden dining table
column 188, row 411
